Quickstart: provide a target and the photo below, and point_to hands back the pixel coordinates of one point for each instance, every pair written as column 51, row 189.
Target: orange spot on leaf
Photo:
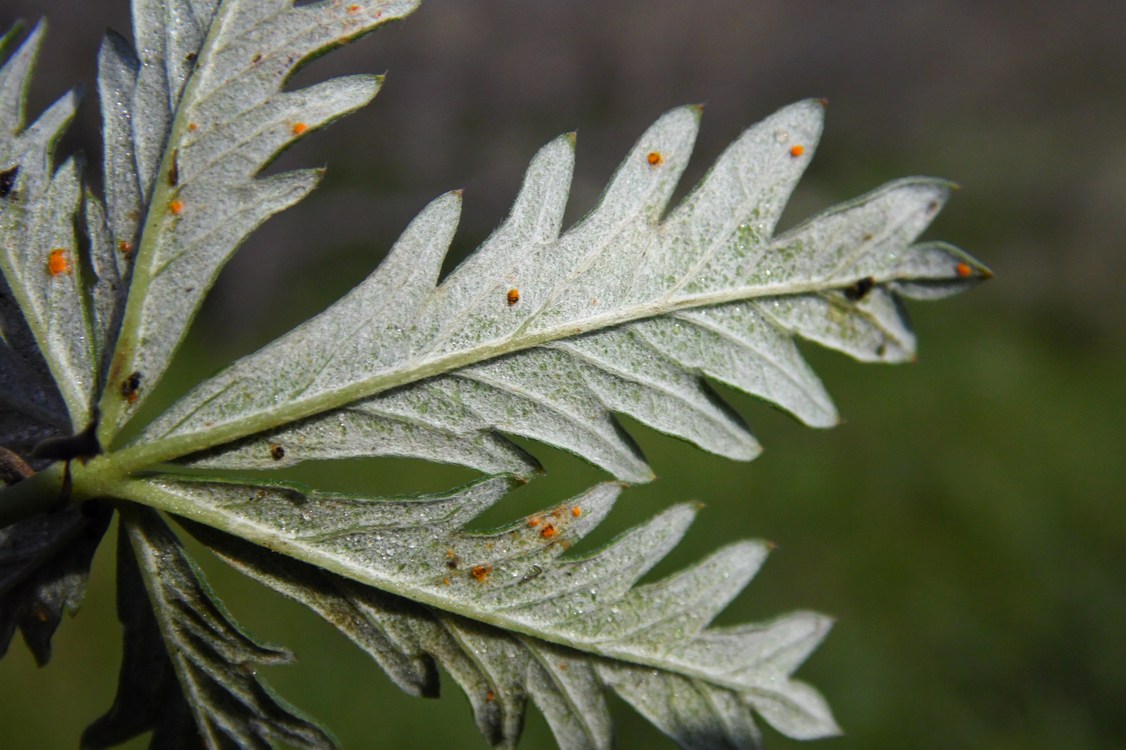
column 176, row 206
column 796, row 151
column 481, row 572
column 354, row 9
column 534, row 521
column 549, row 531
column 490, row 696
column 299, row 128
column 576, row 511
column 125, row 248
column 655, row 159
column 58, row 262
column 512, row 297
column 963, row 270
column 193, row 126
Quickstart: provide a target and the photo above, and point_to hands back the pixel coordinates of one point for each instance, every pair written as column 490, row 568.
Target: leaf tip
column 973, row 269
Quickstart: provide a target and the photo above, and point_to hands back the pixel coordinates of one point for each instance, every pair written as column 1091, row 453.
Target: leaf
column 542, row 333
column 44, row 564
column 39, row 247
column 546, row 335
column 190, row 122
column 509, row 615
column 184, row 658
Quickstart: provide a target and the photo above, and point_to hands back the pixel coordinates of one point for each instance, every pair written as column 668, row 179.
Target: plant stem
column 38, row 493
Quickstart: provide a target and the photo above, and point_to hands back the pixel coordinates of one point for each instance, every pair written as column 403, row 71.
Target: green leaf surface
column 547, row 335
column 510, row 615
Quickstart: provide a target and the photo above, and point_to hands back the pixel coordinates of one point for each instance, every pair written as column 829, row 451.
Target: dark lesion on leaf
column 8, row 179
column 174, row 170
column 130, row 386
column 859, row 290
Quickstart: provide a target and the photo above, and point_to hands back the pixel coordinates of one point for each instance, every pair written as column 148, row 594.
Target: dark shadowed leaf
column 179, row 641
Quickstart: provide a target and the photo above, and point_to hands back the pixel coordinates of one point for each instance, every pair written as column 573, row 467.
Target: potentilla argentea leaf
column 510, row 614
column 547, row 335
column 191, row 119
column 44, row 564
column 39, row 249
column 545, row 332
column 184, row 656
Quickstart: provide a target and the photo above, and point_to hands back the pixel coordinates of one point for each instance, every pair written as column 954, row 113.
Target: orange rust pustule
column 176, row 206
column 299, row 128
column 549, row 531
column 963, row 270
column 58, row 262
column 655, row 159
column 796, row 151
column 480, row 572
column 512, row 297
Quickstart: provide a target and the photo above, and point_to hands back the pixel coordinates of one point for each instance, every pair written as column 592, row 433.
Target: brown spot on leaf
column 860, row 289
column 130, row 386
column 8, row 180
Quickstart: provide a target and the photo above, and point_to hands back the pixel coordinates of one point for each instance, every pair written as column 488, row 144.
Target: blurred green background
column 963, row 525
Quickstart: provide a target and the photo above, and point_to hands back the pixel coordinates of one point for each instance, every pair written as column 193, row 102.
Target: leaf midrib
column 149, row 494
column 154, row 451
column 152, row 231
